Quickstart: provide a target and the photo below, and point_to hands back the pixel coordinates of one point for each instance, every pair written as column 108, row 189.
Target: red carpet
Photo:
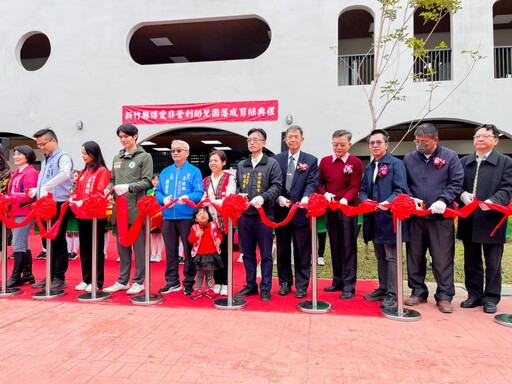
column 355, row 307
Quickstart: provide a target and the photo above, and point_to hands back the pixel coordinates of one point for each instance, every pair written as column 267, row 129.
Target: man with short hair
column 384, row 178
column 131, row 175
column 260, row 178
column 300, row 174
column 56, row 177
column 340, row 180
column 488, row 177
column 434, row 175
column 180, row 180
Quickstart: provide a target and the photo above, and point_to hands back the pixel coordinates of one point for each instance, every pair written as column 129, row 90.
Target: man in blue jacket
column 180, row 180
column 434, row 175
column 384, row 178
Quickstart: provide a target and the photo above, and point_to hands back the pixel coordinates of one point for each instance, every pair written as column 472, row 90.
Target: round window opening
column 35, row 51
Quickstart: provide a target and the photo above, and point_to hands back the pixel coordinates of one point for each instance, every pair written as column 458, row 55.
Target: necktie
column 375, row 171
column 289, row 174
column 479, row 161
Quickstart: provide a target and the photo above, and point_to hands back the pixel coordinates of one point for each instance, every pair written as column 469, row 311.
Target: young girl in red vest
column 205, row 238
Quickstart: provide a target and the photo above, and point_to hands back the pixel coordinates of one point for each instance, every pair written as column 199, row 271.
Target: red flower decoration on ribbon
column 149, row 205
column 45, row 208
column 233, row 206
column 317, row 204
column 93, row 207
column 4, row 205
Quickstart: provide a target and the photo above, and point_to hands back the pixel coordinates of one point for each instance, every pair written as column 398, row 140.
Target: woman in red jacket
column 92, row 180
column 22, row 179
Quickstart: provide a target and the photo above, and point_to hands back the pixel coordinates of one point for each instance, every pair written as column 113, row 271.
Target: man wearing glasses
column 488, row 177
column 56, row 177
column 181, row 180
column 434, row 175
column 260, row 178
column 384, row 178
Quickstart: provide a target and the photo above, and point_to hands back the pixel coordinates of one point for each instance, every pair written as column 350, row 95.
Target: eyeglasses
column 41, row 145
column 254, row 140
column 378, row 143
column 485, row 137
column 423, row 142
column 177, row 150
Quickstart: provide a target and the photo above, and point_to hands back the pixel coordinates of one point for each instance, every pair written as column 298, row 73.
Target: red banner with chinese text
column 221, row 112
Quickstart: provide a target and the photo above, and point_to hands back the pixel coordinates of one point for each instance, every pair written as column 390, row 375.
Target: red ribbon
column 94, row 206
column 273, row 225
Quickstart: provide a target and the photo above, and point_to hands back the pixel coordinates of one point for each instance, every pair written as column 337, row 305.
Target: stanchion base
column 310, row 307
column 224, row 303
column 504, row 319
column 54, row 293
column 10, row 292
column 88, row 296
column 154, row 298
column 407, row 315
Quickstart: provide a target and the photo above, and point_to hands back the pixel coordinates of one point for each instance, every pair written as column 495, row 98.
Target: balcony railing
column 355, row 69
column 503, row 62
column 436, row 66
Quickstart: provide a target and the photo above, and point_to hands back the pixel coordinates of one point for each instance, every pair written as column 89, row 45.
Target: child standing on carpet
column 205, row 238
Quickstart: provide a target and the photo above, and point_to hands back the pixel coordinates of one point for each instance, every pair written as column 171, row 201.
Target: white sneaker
column 89, row 288
column 224, row 290
column 136, row 288
column 158, row 258
column 82, row 286
column 117, row 287
column 320, row 261
column 240, row 258
column 216, row 288
column 153, row 258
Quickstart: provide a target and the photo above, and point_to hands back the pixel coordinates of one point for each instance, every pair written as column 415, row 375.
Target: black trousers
column 474, row 271
column 86, row 246
column 221, row 275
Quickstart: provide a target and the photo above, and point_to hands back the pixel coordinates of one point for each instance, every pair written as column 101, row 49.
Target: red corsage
column 302, row 167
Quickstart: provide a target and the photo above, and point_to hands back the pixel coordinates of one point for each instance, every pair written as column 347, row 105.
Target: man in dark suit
column 488, row 177
column 384, row 178
column 300, row 180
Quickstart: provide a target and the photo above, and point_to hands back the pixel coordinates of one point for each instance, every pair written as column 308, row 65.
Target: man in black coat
column 300, row 180
column 488, row 177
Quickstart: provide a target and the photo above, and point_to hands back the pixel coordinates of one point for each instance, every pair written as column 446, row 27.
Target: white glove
column 106, row 191
column 78, row 203
column 466, row 197
column 304, row 200
column 43, row 192
column 180, row 201
column 344, row 201
column 257, row 202
column 483, row 206
column 167, row 200
column 418, row 202
column 329, row 196
column 121, row 189
column 283, row 201
column 438, row 207
column 382, row 207
column 32, row 192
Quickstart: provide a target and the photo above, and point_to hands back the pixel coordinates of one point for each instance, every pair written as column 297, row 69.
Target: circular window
column 35, row 51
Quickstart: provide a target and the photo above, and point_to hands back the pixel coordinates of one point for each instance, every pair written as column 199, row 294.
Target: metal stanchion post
column 399, row 312
column 504, row 319
column 94, row 295
column 314, row 306
column 230, row 302
column 6, row 292
column 147, row 298
column 48, row 292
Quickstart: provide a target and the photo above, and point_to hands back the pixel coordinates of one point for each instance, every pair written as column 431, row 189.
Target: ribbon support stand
column 48, row 292
column 399, row 312
column 94, row 295
column 147, row 298
column 314, row 306
column 6, row 292
column 504, row 319
column 230, row 302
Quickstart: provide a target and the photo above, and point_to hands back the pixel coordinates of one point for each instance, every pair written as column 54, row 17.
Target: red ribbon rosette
column 317, row 204
column 403, row 206
column 44, row 208
column 93, row 207
column 232, row 208
column 4, row 205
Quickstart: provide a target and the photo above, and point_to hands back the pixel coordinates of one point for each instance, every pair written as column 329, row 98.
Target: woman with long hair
column 92, row 180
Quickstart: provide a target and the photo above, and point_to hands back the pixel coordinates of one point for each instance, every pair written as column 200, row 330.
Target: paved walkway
column 50, row 342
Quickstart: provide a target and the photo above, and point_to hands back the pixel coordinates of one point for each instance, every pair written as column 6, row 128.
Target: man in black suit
column 488, row 177
column 300, row 180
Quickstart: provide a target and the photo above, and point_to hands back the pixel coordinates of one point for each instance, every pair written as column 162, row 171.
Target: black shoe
column 471, row 303
column 376, row 295
column 300, row 294
column 284, row 290
column 332, row 288
column 389, row 301
column 72, row 256
column 11, row 257
column 170, row 288
column 41, row 284
column 41, row 256
column 181, row 260
column 265, row 296
column 346, row 295
column 246, row 291
column 188, row 290
column 58, row 283
column 490, row 307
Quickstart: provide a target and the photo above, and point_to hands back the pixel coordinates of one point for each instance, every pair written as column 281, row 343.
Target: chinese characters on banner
column 222, row 112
